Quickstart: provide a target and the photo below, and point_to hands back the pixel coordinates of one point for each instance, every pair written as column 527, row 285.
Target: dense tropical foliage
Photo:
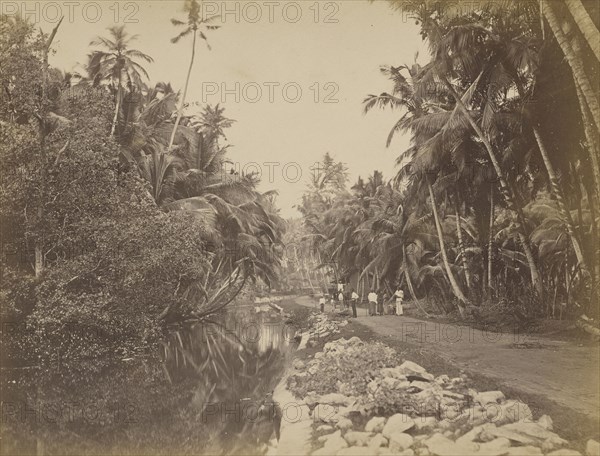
column 496, row 200
column 106, row 224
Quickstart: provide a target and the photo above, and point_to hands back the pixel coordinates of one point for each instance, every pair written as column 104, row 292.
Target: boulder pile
column 436, row 416
column 322, row 326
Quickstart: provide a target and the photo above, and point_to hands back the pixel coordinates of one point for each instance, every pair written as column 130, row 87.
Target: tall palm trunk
column 490, row 245
column 118, row 104
column 585, row 24
column 461, row 246
column 557, row 192
column 506, row 191
column 591, row 136
column 575, row 61
column 556, row 189
column 185, row 89
column 455, row 287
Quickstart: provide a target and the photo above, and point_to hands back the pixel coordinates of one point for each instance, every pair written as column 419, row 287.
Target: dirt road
column 562, row 371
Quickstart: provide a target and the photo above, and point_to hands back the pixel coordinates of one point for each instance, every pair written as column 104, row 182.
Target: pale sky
column 335, row 56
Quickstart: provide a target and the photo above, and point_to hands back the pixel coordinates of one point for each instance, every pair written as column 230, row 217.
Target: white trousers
column 399, row 310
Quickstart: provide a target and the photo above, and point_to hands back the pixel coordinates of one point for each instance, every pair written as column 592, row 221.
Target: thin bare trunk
column 490, row 245
column 461, row 246
column 455, row 287
column 185, row 89
column 39, row 242
column 117, row 106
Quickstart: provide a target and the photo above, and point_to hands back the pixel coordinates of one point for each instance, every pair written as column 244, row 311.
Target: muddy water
column 206, row 391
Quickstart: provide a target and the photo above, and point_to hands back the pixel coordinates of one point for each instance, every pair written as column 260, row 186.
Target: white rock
column 357, row 451
column 425, row 422
column 422, row 385
column 442, row 379
column 529, row 434
column 324, row 428
column 489, row 397
column 443, row 446
column 326, row 413
column 397, row 423
column 592, row 448
column 392, row 372
column 409, row 368
column 344, row 424
column 471, row 435
column 546, row 422
column 325, row 438
column 378, row 440
column 564, row 452
column 375, row 424
column 356, row 438
column 399, row 441
column 335, row 444
column 511, row 411
column 524, row 451
column 298, row 364
column 322, row 452
column 336, row 399
column 496, row 447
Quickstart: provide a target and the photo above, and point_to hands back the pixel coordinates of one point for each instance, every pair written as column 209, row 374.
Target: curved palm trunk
column 585, row 24
column 461, row 247
column 455, row 287
column 575, row 62
column 506, row 191
column 117, row 107
column 185, row 89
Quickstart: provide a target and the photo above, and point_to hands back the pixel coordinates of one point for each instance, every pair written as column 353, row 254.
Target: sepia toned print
column 309, row 227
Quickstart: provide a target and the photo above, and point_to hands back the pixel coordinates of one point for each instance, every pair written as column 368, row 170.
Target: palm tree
column 407, row 94
column 116, row 64
column 193, row 25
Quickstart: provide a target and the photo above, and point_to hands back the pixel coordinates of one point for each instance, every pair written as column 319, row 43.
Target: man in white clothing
column 372, row 302
column 354, row 299
column 399, row 298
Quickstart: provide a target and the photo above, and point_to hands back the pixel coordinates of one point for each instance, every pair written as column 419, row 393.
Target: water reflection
column 236, row 360
column 200, row 395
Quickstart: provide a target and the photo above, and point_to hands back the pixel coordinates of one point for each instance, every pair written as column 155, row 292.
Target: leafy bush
column 344, row 366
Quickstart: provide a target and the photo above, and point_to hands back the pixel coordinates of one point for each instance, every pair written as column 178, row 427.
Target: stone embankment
column 424, row 415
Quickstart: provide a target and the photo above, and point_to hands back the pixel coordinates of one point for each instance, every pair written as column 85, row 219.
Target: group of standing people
column 377, row 301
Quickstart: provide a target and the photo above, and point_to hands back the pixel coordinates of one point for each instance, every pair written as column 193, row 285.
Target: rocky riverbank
column 357, row 398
